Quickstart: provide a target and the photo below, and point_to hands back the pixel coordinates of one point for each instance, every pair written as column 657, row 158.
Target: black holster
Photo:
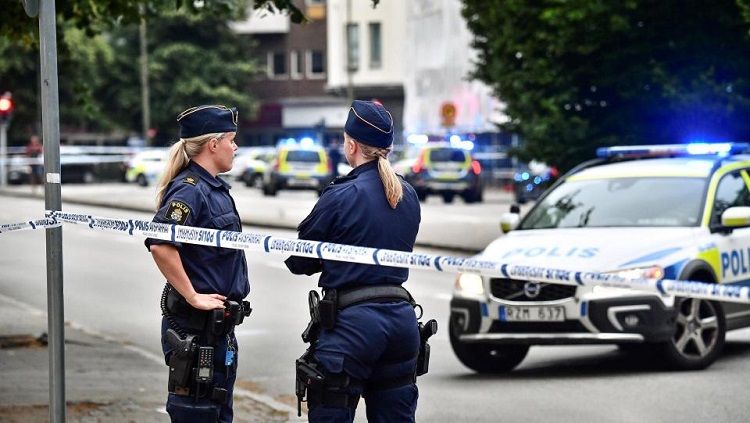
column 181, row 361
column 426, row 330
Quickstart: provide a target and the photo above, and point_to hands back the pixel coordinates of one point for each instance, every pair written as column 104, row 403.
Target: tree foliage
column 194, row 58
column 580, row 74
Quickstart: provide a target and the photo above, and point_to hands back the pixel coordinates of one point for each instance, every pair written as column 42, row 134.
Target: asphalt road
column 113, row 287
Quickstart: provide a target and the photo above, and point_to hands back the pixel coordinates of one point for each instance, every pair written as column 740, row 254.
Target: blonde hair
column 394, row 192
column 179, row 155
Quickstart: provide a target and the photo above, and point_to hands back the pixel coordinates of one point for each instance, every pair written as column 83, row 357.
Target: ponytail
column 394, row 191
column 179, row 156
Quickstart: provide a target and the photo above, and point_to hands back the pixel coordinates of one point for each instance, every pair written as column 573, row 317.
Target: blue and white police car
column 665, row 211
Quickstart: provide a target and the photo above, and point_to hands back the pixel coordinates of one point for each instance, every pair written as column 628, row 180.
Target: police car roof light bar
column 668, row 150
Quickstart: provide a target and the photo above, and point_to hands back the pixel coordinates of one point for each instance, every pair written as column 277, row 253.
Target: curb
column 255, row 396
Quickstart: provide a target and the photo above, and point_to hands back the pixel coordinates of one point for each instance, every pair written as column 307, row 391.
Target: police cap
column 209, row 119
column 369, row 123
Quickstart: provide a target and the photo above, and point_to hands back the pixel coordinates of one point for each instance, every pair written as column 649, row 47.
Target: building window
column 295, row 60
column 352, row 42
column 276, row 64
column 316, row 64
column 375, row 46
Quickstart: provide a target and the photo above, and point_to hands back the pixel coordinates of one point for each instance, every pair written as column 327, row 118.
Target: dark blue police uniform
column 196, row 198
column 373, row 343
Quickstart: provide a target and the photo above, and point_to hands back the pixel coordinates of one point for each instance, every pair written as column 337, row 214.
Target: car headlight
column 469, row 284
column 648, row 272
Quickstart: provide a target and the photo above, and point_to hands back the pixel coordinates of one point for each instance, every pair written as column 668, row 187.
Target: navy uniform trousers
column 188, row 409
column 372, row 342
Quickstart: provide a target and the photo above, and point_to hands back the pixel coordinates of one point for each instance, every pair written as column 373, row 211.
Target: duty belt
column 362, row 294
column 335, row 300
column 214, row 322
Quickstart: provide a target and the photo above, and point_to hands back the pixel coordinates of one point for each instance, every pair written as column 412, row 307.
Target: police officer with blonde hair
column 367, row 343
column 203, row 299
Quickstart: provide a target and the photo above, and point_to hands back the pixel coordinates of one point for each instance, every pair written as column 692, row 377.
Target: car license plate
column 302, row 182
column 532, row 313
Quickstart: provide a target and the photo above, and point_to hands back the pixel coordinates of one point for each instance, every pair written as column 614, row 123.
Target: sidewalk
column 457, row 226
column 106, row 381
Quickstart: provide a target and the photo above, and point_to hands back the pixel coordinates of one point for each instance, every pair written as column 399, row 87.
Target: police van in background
column 302, row 165
column 444, row 169
column 660, row 212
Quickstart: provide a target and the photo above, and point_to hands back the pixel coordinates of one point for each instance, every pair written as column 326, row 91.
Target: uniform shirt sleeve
column 316, row 226
column 182, row 207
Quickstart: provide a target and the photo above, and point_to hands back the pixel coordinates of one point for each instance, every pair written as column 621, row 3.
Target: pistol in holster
column 181, row 361
column 312, row 331
column 426, row 330
column 308, row 373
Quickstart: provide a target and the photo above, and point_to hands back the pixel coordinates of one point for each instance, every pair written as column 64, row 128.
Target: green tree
column 580, row 74
column 194, row 58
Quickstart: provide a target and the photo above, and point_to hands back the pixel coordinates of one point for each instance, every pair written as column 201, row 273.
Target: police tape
column 383, row 257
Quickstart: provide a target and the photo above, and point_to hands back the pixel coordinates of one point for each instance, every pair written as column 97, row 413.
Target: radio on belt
column 205, row 370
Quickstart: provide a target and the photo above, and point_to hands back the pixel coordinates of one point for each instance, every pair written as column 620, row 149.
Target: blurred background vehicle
column 146, row 167
column 297, row 167
column 445, row 170
column 531, row 180
column 77, row 165
column 251, row 163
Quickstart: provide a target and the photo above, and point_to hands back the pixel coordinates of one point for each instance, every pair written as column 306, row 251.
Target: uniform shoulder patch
column 190, row 179
column 342, row 179
column 178, row 212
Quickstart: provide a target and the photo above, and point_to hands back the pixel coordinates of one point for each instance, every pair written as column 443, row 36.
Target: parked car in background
column 444, row 170
column 18, row 170
column 251, row 163
column 297, row 167
column 146, row 167
column 530, row 181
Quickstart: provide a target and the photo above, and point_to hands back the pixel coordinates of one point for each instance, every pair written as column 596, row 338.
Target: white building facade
column 440, row 59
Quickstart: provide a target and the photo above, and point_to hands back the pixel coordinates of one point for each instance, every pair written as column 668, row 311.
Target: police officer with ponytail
column 364, row 335
column 203, row 297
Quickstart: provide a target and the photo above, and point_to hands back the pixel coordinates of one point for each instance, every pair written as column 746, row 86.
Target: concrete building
column 292, row 90
column 366, row 53
column 439, row 59
column 440, row 100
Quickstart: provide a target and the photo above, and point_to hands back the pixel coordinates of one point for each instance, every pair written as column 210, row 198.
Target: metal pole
column 52, row 201
column 3, row 154
column 145, row 103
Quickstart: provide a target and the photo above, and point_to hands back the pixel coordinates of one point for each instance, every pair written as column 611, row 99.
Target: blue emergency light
column 670, row 150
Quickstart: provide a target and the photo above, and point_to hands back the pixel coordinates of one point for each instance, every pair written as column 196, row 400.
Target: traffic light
column 6, row 108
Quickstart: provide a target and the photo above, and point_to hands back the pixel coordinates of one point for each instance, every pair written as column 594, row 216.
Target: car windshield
column 308, row 156
column 447, row 155
column 627, row 202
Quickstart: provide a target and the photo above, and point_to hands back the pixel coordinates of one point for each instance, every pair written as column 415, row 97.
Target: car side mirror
column 736, row 217
column 509, row 221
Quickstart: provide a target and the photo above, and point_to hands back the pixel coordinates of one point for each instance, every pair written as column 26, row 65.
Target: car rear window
column 307, row 156
column 447, row 155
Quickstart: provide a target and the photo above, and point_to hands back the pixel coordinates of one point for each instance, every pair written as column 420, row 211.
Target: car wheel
column 468, row 197
column 141, row 180
column 422, row 195
column 700, row 328
column 249, row 179
column 448, row 197
column 487, row 358
column 269, row 190
column 257, row 180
